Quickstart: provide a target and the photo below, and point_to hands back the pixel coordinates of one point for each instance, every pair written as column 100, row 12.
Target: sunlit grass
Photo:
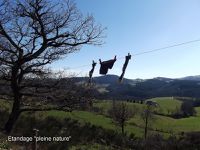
column 160, row 123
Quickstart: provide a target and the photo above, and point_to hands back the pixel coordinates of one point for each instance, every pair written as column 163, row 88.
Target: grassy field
column 167, row 105
column 160, row 123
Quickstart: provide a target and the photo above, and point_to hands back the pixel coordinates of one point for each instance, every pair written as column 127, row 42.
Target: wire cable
column 150, row 51
column 167, row 47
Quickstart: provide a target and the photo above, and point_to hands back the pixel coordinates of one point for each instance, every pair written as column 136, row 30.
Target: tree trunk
column 122, row 128
column 13, row 117
column 146, row 127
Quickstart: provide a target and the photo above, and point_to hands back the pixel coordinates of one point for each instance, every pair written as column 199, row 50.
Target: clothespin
column 93, row 63
column 128, row 56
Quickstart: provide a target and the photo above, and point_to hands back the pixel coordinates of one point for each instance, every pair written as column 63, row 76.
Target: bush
column 187, row 109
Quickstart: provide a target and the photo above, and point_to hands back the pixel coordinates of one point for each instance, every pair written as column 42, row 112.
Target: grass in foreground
column 161, row 124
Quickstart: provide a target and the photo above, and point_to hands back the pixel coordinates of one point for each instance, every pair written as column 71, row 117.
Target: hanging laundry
column 127, row 58
column 91, row 71
column 105, row 65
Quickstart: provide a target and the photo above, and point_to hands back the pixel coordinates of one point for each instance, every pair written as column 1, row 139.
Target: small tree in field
column 33, row 34
column 121, row 113
column 147, row 117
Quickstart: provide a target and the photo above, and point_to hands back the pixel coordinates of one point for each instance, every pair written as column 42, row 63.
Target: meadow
column 87, row 120
column 161, row 122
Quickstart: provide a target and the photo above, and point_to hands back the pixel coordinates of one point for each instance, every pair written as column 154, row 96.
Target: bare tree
column 147, row 116
column 121, row 113
column 34, row 33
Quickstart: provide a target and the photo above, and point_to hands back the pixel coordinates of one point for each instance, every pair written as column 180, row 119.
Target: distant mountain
column 111, row 79
column 192, row 78
column 163, row 79
column 138, row 88
column 106, row 79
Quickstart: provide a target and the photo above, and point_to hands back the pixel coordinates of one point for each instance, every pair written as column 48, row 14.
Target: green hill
column 162, row 124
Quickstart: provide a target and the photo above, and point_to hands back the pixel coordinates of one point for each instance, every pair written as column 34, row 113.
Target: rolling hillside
column 161, row 123
column 149, row 88
column 87, row 124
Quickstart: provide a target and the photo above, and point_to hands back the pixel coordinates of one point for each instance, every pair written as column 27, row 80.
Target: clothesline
column 148, row 51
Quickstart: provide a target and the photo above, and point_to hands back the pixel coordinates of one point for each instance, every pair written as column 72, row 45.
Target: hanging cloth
column 91, row 71
column 127, row 58
column 105, row 65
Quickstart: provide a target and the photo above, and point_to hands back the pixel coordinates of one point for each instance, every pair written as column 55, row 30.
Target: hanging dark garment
column 124, row 67
column 91, row 71
column 105, row 65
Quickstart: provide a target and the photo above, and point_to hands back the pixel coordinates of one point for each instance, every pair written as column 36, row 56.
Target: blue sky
column 140, row 25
